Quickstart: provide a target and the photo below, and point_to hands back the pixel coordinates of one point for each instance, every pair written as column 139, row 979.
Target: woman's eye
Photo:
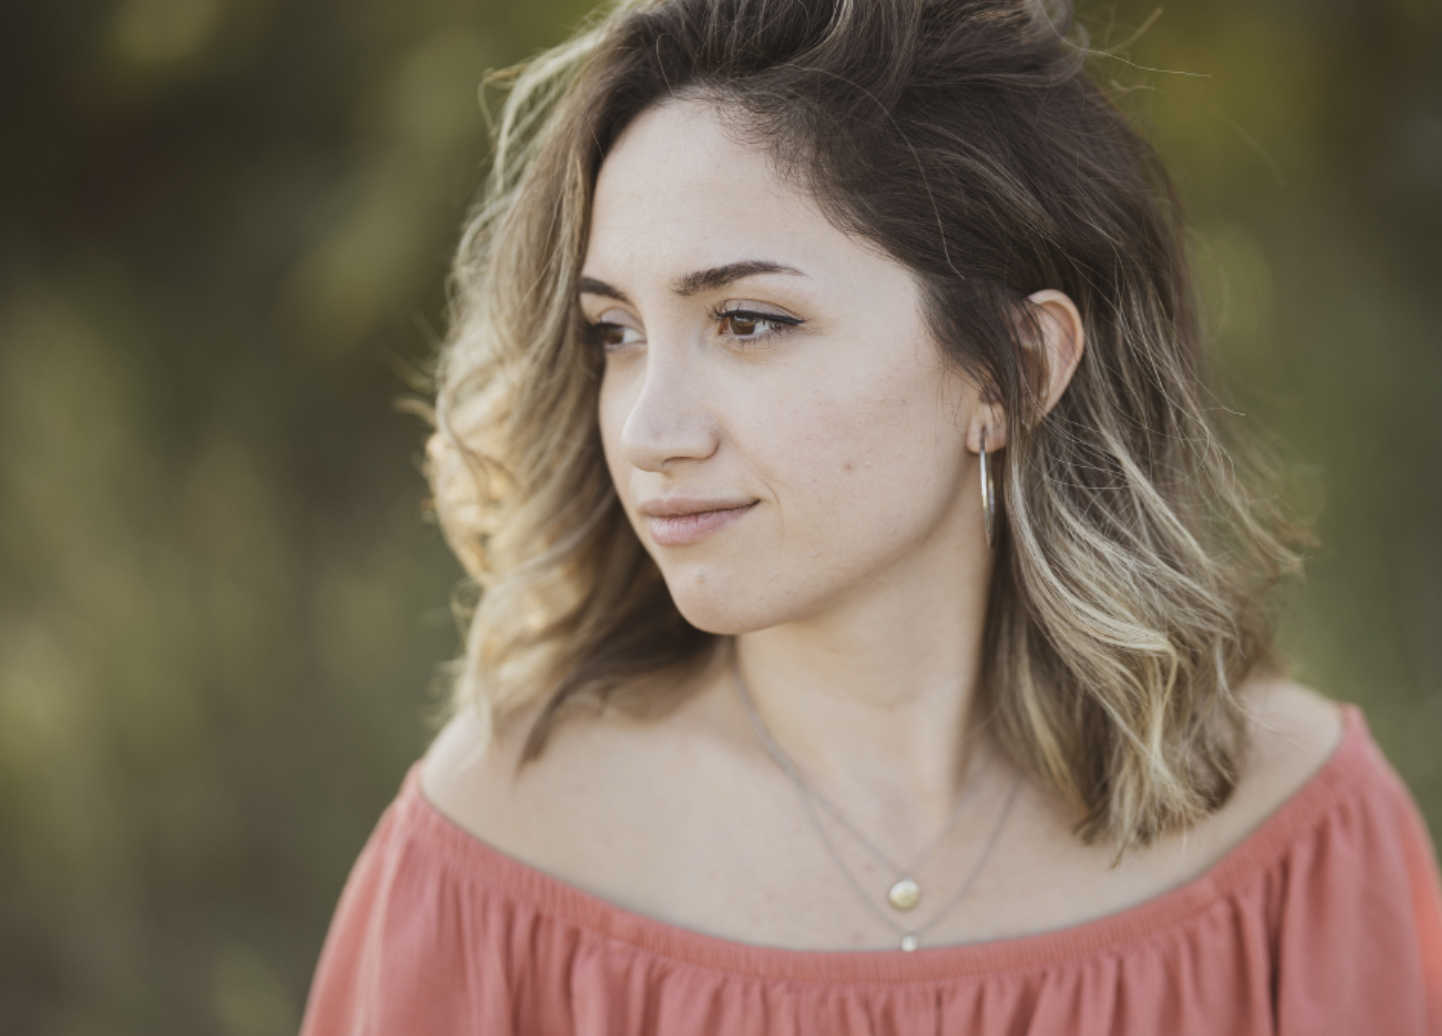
column 740, row 323
column 608, row 336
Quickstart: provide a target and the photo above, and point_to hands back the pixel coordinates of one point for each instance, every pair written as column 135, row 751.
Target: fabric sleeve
column 390, row 963
column 1360, row 939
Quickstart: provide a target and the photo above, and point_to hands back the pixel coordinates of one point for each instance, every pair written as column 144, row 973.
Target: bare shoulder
column 594, row 788
column 474, row 776
column 464, row 772
column 1293, row 732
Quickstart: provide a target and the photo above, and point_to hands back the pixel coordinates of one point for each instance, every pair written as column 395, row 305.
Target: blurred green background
column 224, row 227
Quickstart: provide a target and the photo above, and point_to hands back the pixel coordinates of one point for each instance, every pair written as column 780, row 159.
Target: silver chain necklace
column 905, row 893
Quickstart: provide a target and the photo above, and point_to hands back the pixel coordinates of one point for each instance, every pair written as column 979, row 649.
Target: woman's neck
column 875, row 696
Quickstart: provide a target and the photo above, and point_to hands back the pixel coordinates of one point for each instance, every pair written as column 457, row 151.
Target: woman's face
column 781, row 429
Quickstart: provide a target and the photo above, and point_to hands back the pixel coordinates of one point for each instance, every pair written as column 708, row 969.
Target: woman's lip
column 675, row 530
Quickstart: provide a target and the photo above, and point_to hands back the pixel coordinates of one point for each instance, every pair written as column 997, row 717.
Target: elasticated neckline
column 471, row 859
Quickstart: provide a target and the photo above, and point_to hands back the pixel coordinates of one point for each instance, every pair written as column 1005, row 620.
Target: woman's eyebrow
column 720, row 276
column 695, row 282
column 591, row 286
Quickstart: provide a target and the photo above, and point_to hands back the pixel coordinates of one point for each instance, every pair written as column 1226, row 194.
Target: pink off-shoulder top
column 1325, row 919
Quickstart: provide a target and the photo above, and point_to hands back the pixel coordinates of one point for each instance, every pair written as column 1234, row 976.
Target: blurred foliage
column 224, row 228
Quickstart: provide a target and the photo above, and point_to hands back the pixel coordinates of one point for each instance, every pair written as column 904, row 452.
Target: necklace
column 905, row 893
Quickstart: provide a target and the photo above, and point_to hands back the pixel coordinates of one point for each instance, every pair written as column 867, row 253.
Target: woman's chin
column 719, row 606
column 720, row 617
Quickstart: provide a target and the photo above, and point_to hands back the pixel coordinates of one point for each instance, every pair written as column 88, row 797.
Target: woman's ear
column 1062, row 339
column 1059, row 337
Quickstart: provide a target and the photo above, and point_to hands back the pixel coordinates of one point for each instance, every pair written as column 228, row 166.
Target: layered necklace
column 904, row 893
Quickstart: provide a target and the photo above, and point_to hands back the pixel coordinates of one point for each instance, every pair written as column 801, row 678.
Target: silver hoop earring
column 988, row 495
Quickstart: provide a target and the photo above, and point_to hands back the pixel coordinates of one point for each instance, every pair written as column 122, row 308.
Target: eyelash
column 594, row 334
column 779, row 324
column 776, row 323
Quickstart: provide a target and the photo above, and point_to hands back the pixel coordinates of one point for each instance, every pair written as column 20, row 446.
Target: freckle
column 700, row 577
column 847, row 466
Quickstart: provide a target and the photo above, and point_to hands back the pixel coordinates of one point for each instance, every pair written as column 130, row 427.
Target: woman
column 873, row 633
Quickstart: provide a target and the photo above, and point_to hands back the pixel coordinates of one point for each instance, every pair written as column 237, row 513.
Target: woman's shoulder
column 1355, row 896
column 467, row 774
column 1297, row 741
column 1314, row 784
column 566, row 811
column 1293, row 733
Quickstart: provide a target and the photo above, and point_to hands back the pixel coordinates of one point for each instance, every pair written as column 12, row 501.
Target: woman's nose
column 669, row 420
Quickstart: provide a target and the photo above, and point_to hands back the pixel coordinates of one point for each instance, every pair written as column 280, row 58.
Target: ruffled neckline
column 474, row 861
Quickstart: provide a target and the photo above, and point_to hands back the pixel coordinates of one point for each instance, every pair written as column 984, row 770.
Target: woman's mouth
column 675, row 523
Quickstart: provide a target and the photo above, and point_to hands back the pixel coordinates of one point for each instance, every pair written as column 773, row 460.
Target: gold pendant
column 904, row 895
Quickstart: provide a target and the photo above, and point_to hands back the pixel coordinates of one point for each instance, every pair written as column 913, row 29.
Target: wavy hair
column 967, row 139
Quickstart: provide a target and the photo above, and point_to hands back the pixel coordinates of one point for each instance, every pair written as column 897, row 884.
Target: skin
column 798, row 401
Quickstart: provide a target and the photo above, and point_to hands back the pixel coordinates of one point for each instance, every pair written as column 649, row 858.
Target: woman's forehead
column 680, row 192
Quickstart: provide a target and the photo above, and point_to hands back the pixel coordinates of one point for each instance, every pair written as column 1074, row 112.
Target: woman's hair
column 968, row 141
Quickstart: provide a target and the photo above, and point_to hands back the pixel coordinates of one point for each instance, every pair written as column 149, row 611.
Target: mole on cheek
column 848, row 466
